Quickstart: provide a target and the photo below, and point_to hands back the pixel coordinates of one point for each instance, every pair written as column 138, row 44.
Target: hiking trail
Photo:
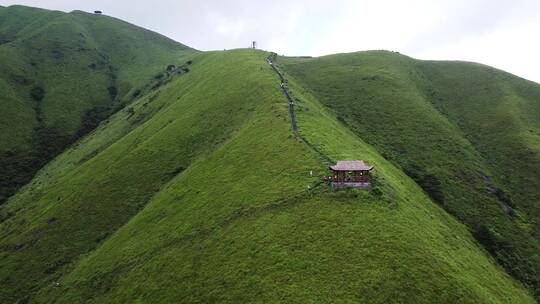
column 284, row 91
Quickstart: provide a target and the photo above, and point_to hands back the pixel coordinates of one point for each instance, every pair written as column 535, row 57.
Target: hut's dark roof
column 351, row 165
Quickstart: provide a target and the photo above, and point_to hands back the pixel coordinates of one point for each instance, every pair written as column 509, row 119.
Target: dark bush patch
column 91, row 120
column 158, row 76
column 130, row 112
column 428, row 182
column 18, row 247
column 157, row 85
column 19, row 167
column 113, row 92
column 386, row 155
column 21, row 80
column 185, row 70
column 342, row 120
column 136, row 93
column 176, row 171
column 171, row 67
column 53, row 267
column 509, row 256
column 504, row 197
column 37, row 93
column 487, row 238
column 92, row 66
column 57, row 54
column 376, row 191
column 189, row 62
column 505, row 201
column 117, row 107
column 432, row 185
column 102, row 237
column 50, row 142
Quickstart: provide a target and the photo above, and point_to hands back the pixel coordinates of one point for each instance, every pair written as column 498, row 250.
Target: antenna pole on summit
column 254, row 45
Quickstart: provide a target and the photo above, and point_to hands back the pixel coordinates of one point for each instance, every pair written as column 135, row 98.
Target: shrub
column 20, row 80
column 429, row 182
column 37, row 93
column 17, row 170
column 57, row 54
column 49, row 142
column 157, row 85
column 176, row 171
column 341, row 119
column 487, row 238
column 504, row 197
column 432, row 185
column 130, row 112
column 113, row 92
column 136, row 93
column 91, row 119
column 376, row 191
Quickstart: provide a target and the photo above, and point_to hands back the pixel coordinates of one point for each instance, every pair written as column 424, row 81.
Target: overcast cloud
column 503, row 34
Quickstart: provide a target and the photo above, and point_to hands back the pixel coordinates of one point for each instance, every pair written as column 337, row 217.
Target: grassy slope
column 87, row 66
column 239, row 223
column 499, row 113
column 448, row 125
column 113, row 179
column 198, row 192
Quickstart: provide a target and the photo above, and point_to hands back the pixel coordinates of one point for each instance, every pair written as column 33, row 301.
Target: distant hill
column 467, row 133
column 196, row 190
column 60, row 75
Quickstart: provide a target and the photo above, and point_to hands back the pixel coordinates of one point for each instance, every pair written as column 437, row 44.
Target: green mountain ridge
column 61, row 74
column 196, row 190
column 472, row 155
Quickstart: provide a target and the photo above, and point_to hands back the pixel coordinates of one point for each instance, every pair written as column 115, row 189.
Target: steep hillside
column 179, row 178
column 61, row 74
column 200, row 192
column 466, row 133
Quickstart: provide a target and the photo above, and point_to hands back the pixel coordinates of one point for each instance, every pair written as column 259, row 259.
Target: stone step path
column 284, row 91
column 292, row 113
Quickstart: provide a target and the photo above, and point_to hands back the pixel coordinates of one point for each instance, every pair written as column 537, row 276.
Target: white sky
column 501, row 33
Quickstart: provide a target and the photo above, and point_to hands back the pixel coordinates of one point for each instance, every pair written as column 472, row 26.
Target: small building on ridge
column 350, row 174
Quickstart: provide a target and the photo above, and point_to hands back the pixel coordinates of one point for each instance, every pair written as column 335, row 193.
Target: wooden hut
column 350, row 174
